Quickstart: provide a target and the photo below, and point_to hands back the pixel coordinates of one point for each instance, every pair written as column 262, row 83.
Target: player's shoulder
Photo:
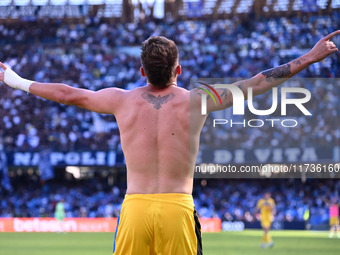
column 182, row 93
column 272, row 200
column 172, row 89
column 182, row 90
column 112, row 92
column 118, row 90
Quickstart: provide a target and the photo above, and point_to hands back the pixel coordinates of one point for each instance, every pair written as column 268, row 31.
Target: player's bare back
column 155, row 136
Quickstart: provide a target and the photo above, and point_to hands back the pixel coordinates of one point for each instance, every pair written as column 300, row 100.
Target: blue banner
column 329, row 154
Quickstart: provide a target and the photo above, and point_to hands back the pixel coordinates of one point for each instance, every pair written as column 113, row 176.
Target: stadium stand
column 97, row 53
column 230, row 200
column 84, row 56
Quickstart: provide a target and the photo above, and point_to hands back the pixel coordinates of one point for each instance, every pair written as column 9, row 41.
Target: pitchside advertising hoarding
column 52, row 225
column 80, row 225
column 110, row 224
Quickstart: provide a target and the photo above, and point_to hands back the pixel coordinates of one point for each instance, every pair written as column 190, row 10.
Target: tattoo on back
column 277, row 73
column 157, row 101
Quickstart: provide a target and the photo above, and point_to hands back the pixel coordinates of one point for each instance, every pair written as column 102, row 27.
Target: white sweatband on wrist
column 15, row 81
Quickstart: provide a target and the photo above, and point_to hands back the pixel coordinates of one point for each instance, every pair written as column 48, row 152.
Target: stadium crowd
column 230, row 200
column 85, row 198
column 97, row 54
column 236, row 199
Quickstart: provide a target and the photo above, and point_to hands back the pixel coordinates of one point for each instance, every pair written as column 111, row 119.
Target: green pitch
column 229, row 243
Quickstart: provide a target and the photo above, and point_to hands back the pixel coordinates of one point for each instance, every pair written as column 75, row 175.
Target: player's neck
column 168, row 85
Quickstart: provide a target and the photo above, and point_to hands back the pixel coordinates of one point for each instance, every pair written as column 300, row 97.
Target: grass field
column 230, row 243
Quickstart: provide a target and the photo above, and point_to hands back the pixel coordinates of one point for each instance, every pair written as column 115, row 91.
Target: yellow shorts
column 162, row 224
column 334, row 221
column 266, row 223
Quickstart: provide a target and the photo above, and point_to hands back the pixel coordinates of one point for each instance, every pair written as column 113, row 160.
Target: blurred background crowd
column 96, row 54
column 230, row 200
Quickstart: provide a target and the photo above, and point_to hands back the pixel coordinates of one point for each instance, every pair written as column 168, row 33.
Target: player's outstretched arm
column 102, row 101
column 266, row 80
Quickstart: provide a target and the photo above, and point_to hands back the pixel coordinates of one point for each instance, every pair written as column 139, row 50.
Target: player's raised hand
column 323, row 48
column 2, row 74
column 13, row 80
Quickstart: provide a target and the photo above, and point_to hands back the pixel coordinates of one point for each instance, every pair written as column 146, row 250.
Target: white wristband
column 15, row 81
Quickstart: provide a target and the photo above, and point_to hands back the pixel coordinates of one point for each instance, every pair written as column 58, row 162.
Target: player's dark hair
column 159, row 58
